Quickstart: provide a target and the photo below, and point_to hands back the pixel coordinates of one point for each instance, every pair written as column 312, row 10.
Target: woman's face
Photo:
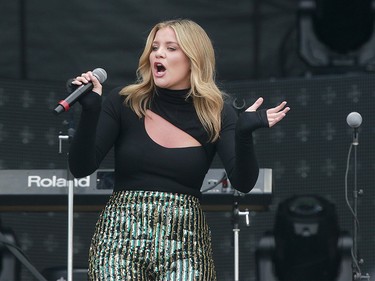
column 170, row 66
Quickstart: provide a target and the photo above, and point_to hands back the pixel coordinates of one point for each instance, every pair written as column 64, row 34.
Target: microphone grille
column 100, row 73
column 354, row 119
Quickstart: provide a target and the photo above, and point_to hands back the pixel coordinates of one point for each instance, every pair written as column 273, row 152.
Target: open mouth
column 160, row 68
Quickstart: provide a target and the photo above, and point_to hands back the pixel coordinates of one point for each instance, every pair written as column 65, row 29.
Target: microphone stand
column 70, row 185
column 357, row 275
column 236, row 229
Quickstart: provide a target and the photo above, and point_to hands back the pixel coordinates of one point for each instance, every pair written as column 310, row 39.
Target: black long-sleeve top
column 142, row 164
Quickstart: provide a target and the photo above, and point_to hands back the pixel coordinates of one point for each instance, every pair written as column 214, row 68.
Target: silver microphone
column 66, row 103
column 354, row 120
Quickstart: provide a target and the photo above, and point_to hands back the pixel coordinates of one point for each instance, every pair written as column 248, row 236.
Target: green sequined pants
column 151, row 236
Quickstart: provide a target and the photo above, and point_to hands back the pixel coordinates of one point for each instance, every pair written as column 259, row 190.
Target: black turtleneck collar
column 173, row 96
column 176, row 108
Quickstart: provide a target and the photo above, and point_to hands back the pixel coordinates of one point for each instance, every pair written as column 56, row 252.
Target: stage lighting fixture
column 306, row 235
column 337, row 33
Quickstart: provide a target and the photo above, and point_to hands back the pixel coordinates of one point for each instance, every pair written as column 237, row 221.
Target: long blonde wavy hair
column 207, row 98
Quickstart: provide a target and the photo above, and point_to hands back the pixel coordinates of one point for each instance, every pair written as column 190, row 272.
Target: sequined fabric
column 153, row 236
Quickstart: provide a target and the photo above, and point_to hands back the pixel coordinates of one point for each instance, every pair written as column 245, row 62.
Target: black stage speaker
column 60, row 274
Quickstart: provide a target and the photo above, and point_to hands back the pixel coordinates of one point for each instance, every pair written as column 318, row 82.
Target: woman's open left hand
column 275, row 114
